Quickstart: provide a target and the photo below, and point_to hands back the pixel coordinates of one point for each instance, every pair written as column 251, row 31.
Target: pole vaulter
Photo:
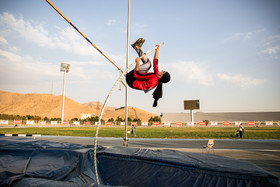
column 82, row 34
column 104, row 105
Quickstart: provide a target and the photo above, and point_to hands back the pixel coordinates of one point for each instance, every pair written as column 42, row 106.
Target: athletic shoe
column 139, row 42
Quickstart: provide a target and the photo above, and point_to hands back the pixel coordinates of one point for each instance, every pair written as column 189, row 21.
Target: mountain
column 98, row 105
column 48, row 105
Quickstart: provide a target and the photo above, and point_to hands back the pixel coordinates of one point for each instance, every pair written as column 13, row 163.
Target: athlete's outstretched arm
column 156, row 52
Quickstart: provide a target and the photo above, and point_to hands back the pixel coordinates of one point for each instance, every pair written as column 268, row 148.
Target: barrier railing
column 34, row 123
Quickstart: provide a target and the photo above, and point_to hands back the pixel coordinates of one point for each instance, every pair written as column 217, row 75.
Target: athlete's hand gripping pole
column 151, row 50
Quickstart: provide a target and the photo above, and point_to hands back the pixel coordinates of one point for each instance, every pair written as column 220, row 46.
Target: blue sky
column 224, row 53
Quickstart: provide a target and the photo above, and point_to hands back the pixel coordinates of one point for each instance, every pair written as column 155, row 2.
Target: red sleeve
column 156, row 66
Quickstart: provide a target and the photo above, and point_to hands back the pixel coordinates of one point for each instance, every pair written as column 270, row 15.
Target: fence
column 143, row 124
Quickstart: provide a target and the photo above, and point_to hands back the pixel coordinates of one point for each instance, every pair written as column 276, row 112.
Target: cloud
column 81, row 70
column 111, row 22
column 190, row 72
column 194, row 72
column 139, row 29
column 71, row 42
column 9, row 56
column 272, row 46
column 240, row 80
column 26, row 73
column 19, row 71
column 272, row 40
column 15, row 69
column 100, row 70
column 67, row 39
column 32, row 32
column 244, row 35
column 272, row 50
column 3, row 41
column 14, row 49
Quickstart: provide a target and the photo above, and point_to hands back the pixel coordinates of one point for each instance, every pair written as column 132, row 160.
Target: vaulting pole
column 82, row 34
column 125, row 143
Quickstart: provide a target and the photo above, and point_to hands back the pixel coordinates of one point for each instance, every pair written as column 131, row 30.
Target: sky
column 226, row 54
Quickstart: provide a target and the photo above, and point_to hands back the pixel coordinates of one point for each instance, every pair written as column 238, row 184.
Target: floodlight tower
column 64, row 68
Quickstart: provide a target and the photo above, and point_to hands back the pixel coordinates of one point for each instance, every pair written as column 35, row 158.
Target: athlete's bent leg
column 143, row 68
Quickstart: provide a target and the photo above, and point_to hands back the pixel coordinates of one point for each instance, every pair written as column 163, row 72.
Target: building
column 85, row 116
column 220, row 117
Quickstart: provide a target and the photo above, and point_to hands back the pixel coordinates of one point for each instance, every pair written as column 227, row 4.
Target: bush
column 155, row 119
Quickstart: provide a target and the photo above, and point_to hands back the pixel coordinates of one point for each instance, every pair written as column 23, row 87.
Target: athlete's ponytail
column 158, row 92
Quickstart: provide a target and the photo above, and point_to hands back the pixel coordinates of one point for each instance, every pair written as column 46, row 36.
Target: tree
column 29, row 117
column 36, row 118
column 155, row 119
column 119, row 119
column 93, row 119
column 136, row 120
column 55, row 119
column 206, row 122
column 46, row 119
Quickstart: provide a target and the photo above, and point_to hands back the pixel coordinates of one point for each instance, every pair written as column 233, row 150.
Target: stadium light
column 64, row 68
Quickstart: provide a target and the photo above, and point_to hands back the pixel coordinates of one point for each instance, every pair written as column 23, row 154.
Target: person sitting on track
column 140, row 79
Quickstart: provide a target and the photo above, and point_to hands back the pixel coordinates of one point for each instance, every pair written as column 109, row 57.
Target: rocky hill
column 48, row 105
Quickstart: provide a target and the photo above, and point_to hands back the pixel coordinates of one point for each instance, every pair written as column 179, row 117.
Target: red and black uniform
column 143, row 81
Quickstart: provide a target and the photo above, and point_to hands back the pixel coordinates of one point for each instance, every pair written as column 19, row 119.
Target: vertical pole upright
column 192, row 118
column 63, row 95
column 126, row 88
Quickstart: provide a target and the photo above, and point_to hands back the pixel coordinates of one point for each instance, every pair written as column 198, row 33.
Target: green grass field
column 153, row 132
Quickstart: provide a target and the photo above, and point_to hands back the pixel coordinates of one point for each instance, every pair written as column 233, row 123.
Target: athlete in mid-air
column 141, row 79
